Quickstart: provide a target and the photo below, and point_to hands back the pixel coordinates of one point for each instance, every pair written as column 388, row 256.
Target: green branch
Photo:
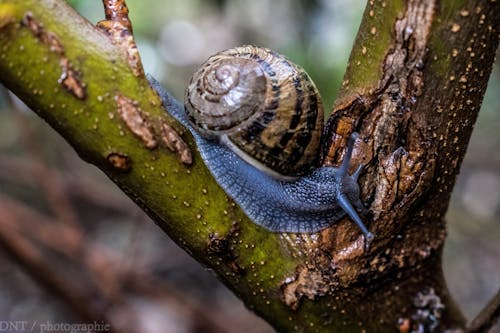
column 70, row 74
column 184, row 200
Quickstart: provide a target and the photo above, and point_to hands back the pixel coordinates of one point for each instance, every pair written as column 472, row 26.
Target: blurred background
column 79, row 248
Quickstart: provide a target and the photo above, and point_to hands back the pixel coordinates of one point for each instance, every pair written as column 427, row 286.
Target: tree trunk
column 416, row 78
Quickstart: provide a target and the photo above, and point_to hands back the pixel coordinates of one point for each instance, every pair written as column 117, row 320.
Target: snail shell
column 265, row 108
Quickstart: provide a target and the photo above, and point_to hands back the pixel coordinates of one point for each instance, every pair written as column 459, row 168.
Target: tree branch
column 68, row 72
column 487, row 318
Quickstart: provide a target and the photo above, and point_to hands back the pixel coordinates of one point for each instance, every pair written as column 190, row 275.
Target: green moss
column 183, row 200
column 374, row 39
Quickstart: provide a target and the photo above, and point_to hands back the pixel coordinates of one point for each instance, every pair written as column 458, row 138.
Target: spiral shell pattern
column 262, row 106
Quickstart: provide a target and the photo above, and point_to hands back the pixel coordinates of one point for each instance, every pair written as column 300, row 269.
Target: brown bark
column 415, row 120
column 417, row 75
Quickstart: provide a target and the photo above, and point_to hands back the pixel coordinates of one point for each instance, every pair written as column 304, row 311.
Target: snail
column 257, row 120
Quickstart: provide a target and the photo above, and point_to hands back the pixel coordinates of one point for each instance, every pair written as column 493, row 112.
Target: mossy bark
column 70, row 74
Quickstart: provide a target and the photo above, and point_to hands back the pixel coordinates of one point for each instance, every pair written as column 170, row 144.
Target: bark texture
column 414, row 85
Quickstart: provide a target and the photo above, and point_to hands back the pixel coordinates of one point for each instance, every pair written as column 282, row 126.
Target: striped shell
column 260, row 105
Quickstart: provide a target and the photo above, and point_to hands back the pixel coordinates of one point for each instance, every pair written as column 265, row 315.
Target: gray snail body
column 281, row 192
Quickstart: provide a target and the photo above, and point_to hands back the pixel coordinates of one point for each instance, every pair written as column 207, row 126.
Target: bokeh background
column 43, row 182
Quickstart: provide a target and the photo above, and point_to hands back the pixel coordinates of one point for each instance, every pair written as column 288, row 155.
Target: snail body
column 264, row 154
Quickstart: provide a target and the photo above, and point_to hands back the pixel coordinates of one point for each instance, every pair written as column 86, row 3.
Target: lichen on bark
column 413, row 143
